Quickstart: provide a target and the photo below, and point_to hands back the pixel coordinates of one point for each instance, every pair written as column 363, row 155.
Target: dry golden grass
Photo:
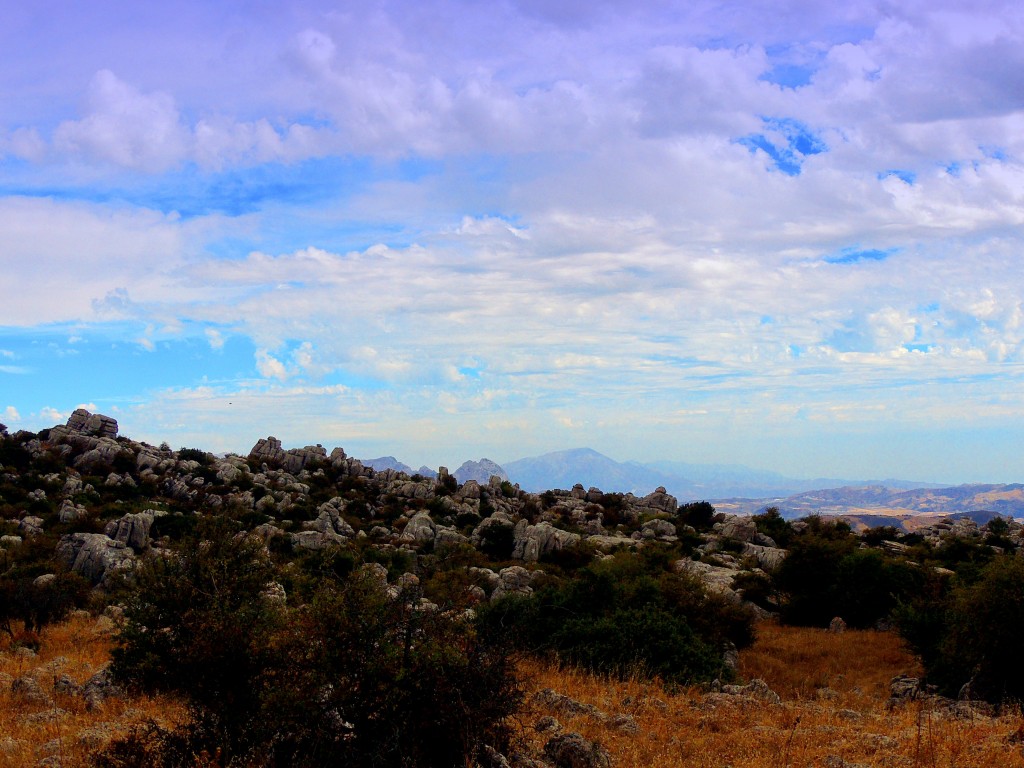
column 63, row 728
column 834, row 690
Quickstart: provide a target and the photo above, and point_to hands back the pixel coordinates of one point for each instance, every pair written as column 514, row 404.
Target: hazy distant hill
column 687, row 482
column 980, row 502
column 563, row 469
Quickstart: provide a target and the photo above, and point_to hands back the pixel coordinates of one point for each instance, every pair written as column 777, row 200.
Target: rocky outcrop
column 421, row 529
column 133, row 529
column 571, row 750
column 269, row 451
column 95, row 556
column 531, row 542
column 92, row 424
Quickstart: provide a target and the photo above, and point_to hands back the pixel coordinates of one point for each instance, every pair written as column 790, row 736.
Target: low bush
column 619, row 617
column 354, row 676
column 970, row 633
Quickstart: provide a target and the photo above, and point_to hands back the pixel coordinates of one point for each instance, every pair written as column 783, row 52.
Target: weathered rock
column 554, row 701
column 69, row 512
column 662, row 500
column 421, row 529
column 100, row 687
column 10, row 541
column 494, row 527
column 658, row 529
column 133, row 529
column 531, row 542
column 755, row 689
column 837, row 626
column 716, row 578
column 294, row 460
column 768, row 558
column 103, row 455
column 316, row 540
column 96, row 425
column 514, row 580
column 26, row 690
column 571, row 750
column 737, row 528
column 30, row 525
column 94, row 556
column 329, row 519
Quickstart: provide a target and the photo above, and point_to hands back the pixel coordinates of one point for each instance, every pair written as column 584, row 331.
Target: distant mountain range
column 687, row 482
column 735, row 488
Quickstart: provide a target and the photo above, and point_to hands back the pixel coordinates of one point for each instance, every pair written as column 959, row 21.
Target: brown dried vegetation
column 62, row 731
column 834, row 689
column 834, row 713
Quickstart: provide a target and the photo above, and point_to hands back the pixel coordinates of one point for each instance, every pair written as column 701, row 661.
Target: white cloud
column 52, row 415
column 269, row 366
column 11, row 414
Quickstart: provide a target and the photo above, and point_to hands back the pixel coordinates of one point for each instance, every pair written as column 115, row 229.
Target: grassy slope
column 813, row 727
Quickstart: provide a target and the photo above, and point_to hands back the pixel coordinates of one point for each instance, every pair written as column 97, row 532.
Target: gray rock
column 94, row 425
column 421, row 529
column 94, row 556
column 659, row 529
column 30, row 526
column 531, row 542
column 316, row 540
column 100, row 687
column 837, row 626
column 662, row 500
column 69, row 512
column 571, row 750
column 133, row 529
column 293, row 460
column 737, row 528
column 768, row 558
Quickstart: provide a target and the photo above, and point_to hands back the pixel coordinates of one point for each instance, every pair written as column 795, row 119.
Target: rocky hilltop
column 103, row 501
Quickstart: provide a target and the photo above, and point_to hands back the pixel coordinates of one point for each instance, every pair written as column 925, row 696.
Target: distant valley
column 739, row 489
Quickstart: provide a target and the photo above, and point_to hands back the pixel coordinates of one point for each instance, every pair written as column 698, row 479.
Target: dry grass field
column 833, row 712
column 62, row 731
column 834, row 690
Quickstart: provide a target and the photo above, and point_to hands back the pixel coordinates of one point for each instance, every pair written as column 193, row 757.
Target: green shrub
column 354, row 677
column 621, row 616
column 771, row 523
column 972, row 633
column 699, row 514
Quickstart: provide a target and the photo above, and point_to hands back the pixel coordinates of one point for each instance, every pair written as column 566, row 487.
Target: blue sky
column 781, row 234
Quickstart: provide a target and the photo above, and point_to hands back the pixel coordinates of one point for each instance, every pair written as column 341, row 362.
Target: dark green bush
column 771, row 523
column 621, row 616
column 354, row 677
column 972, row 633
column 699, row 514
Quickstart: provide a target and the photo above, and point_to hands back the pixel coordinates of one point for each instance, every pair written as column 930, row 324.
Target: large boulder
column 571, row 750
column 133, row 529
column 768, row 558
column 662, row 500
column 329, row 519
column 95, row 556
column 269, row 451
column 92, row 424
column 419, row 530
column 531, row 542
column 737, row 528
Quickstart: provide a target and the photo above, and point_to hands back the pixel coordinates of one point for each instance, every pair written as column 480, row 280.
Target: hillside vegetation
column 294, row 607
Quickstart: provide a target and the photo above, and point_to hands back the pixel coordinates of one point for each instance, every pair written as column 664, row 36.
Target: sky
column 780, row 234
